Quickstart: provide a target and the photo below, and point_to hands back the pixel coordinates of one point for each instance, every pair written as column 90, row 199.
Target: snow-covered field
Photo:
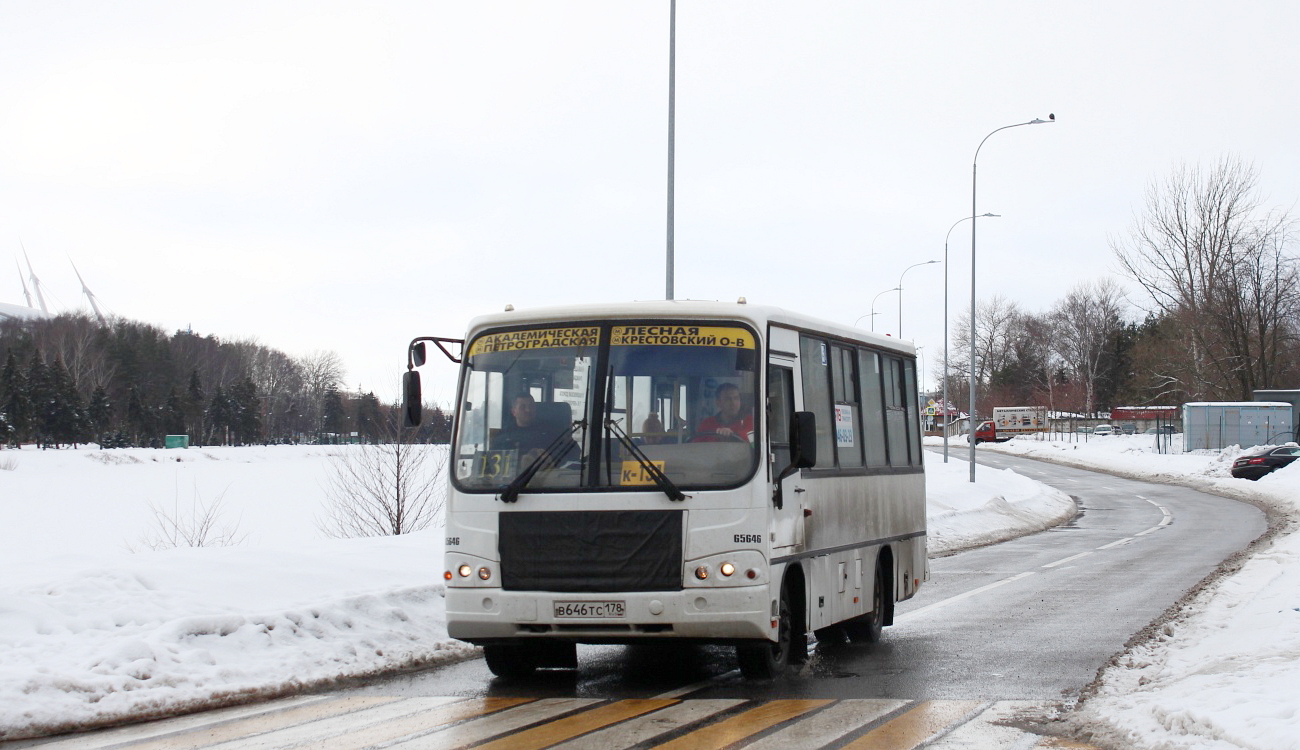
column 92, row 632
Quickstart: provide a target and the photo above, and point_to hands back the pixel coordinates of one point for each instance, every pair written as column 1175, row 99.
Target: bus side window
column 913, row 405
column 873, row 407
column 814, row 360
column 896, row 412
column 848, row 410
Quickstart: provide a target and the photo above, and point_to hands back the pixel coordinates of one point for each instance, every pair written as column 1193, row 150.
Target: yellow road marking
column 431, row 719
column 323, row 730
column 572, row 726
column 496, row 725
column 744, row 725
column 301, row 715
column 914, row 727
column 645, row 728
column 828, row 725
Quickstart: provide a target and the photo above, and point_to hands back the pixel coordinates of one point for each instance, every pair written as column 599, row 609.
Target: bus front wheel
column 766, row 660
column 510, row 660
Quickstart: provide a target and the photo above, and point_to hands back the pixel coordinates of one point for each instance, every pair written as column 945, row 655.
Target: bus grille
column 598, row 551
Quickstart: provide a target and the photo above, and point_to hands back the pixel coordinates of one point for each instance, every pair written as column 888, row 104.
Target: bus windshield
column 678, row 397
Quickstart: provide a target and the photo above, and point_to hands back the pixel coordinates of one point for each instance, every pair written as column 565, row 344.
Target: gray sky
column 348, row 176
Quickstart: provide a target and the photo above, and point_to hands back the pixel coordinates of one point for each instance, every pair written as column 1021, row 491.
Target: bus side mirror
column 418, row 355
column 412, row 402
column 803, row 440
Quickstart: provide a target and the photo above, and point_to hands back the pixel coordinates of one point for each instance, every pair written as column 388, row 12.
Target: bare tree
column 199, row 525
column 385, row 489
column 999, row 322
column 1084, row 326
column 1218, row 268
column 279, row 379
column 74, row 338
column 322, row 371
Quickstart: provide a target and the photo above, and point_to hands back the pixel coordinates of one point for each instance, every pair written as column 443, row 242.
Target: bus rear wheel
column 867, row 628
column 510, row 660
column 766, row 660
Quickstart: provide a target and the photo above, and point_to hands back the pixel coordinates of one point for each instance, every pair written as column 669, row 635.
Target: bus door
column 788, row 524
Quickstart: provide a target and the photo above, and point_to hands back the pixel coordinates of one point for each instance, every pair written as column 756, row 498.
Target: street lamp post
column 873, row 306
column 973, row 171
column 672, row 98
column 900, row 293
column 945, row 329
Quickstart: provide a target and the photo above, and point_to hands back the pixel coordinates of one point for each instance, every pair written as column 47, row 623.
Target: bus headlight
column 735, row 568
column 471, row 571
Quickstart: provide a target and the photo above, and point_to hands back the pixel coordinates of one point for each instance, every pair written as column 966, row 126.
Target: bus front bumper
column 721, row 614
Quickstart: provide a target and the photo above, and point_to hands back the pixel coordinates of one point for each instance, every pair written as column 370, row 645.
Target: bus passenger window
column 873, row 407
column 814, row 359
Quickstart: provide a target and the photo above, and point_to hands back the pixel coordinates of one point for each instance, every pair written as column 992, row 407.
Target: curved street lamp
column 974, row 162
column 900, row 293
column 945, row 327
column 873, row 308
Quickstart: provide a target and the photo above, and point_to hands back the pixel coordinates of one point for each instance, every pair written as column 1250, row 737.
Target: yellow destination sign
column 535, row 338
column 634, row 474
column 682, row 335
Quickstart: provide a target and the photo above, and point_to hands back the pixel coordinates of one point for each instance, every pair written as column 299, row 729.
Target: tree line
column 1220, row 315
column 72, row 379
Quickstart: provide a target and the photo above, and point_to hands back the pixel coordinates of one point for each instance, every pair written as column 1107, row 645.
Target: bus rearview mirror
column 418, row 355
column 803, row 440
column 412, row 401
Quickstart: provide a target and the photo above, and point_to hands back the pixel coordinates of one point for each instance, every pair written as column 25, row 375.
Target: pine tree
column 41, row 399
column 137, row 418
column 174, row 414
column 15, row 400
column 194, row 412
column 369, row 420
column 99, row 413
column 219, row 415
column 333, row 415
column 246, row 419
column 66, row 408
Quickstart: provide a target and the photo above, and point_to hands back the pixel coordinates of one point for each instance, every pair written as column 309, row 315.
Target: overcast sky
column 346, row 176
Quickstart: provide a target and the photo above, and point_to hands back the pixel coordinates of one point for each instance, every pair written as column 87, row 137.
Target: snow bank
column 1001, row 505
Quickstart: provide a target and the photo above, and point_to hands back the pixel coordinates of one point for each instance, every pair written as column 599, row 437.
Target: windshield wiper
column 547, row 457
column 660, row 479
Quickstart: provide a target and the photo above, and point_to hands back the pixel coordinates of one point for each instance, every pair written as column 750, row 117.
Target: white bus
column 723, row 473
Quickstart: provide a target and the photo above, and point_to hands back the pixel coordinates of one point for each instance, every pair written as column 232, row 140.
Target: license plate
column 588, row 609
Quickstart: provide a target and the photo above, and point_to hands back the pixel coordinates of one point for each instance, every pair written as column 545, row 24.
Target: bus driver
column 527, row 435
column 727, row 423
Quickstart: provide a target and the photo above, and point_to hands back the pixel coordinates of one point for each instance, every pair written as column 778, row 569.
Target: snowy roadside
column 1223, row 671
column 137, row 636
column 93, row 635
column 1001, row 505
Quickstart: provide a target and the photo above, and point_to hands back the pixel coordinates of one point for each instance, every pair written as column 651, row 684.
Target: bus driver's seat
column 554, row 417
